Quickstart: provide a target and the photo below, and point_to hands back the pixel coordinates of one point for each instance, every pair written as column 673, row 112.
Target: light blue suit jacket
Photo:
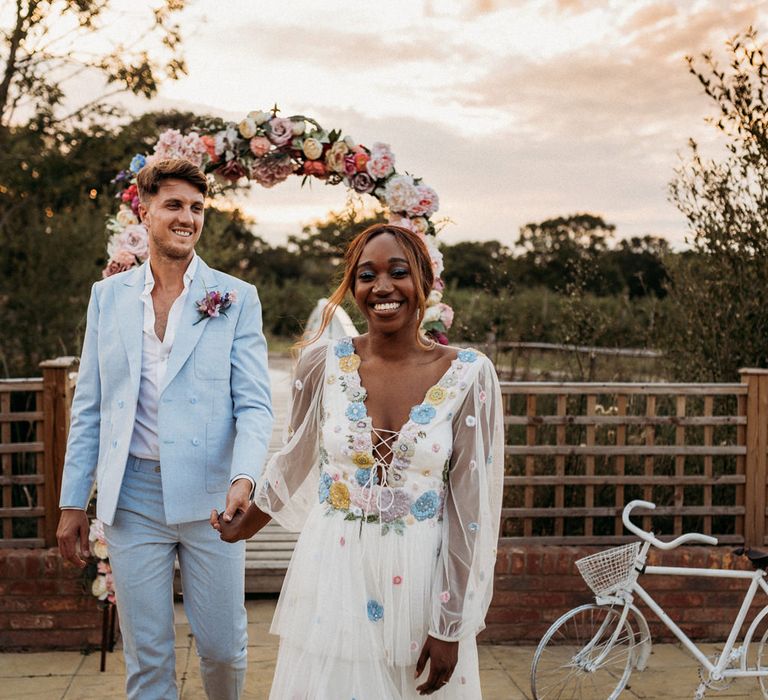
column 214, row 412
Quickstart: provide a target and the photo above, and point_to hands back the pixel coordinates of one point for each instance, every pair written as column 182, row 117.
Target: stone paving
column 504, row 670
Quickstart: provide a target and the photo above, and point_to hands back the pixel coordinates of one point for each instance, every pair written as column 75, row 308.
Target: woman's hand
column 443, row 657
column 244, row 524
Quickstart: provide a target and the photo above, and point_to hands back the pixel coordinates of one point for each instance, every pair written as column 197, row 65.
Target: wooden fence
column 34, row 418
column 577, row 452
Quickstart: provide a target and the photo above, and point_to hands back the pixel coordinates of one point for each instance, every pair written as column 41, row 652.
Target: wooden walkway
column 267, row 554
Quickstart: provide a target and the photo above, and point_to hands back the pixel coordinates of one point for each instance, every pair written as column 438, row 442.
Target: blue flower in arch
column 344, row 348
column 324, row 487
column 422, row 414
column 467, row 355
column 375, row 610
column 425, row 506
column 362, row 476
column 137, row 163
column 356, row 411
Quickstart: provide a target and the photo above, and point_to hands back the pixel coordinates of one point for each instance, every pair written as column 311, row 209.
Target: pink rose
column 446, row 315
column 121, row 261
column 382, row 161
column 280, row 131
column 210, row 146
column 268, row 171
column 260, row 145
column 349, row 165
column 134, row 240
column 426, row 202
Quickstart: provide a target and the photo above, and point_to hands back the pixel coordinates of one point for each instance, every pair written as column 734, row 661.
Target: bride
column 393, row 471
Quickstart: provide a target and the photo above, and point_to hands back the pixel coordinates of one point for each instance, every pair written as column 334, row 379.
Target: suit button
column 157, row 469
column 193, row 400
column 120, row 403
column 195, row 441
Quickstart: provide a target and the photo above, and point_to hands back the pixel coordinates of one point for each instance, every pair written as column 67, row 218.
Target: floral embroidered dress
column 393, row 546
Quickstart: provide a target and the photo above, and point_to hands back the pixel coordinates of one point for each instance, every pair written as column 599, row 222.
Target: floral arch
column 266, row 149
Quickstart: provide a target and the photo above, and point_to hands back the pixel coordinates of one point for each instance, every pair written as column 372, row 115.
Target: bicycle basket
column 609, row 570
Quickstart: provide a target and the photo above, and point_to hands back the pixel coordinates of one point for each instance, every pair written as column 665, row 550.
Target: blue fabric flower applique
column 422, row 413
column 467, row 355
column 344, row 348
column 375, row 610
column 356, row 411
column 324, row 487
column 425, row 506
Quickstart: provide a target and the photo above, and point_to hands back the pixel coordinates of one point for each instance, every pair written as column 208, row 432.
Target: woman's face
column 384, row 287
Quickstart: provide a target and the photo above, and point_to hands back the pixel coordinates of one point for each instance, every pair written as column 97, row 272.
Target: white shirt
column 154, row 362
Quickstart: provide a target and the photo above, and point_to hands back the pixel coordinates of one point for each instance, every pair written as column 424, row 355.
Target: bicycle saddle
column 758, row 558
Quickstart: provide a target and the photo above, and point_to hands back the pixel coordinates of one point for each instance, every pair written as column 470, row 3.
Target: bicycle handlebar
column 649, row 536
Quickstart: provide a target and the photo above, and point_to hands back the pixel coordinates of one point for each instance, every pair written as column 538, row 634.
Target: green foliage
column 718, row 293
column 48, row 43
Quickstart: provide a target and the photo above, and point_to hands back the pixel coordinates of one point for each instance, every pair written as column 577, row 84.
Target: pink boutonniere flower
column 215, row 304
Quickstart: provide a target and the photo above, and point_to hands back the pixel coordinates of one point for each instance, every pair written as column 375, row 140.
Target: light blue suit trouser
column 142, row 552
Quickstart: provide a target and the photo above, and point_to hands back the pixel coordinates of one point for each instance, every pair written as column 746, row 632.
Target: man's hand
column 238, row 499
column 73, row 528
column 443, row 657
column 242, row 526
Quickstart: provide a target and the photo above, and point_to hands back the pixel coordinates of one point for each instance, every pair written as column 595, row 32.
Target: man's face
column 174, row 218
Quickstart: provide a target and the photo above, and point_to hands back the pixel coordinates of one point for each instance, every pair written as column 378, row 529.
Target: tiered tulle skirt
column 354, row 614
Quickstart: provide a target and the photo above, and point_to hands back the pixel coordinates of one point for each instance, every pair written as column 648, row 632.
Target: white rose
column 99, row 587
column 247, row 128
column 125, row 217
column 432, row 314
column 99, row 549
column 312, row 148
column 299, row 128
column 400, row 194
column 435, row 297
column 435, row 255
column 259, row 117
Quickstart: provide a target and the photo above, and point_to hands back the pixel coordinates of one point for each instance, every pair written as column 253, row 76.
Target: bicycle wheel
column 762, row 663
column 566, row 665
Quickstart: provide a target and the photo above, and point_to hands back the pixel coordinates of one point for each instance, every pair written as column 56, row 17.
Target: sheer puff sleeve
column 464, row 578
column 288, row 488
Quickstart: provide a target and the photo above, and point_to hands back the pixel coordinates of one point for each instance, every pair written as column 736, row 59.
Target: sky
column 514, row 111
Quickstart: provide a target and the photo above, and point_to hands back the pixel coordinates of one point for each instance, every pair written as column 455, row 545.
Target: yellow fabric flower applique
column 349, row 363
column 436, row 395
column 362, row 460
column 339, row 496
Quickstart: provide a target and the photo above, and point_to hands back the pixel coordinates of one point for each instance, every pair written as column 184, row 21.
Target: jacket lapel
column 130, row 311
column 189, row 330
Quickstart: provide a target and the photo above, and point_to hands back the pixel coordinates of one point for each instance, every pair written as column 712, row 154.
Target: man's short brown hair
column 150, row 176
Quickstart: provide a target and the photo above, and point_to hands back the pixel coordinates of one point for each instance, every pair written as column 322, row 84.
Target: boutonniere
column 215, row 304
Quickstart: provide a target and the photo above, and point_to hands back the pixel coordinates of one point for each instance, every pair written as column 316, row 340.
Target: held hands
column 443, row 657
column 73, row 528
column 242, row 526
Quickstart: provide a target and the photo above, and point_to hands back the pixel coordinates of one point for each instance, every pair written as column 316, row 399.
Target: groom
column 172, row 418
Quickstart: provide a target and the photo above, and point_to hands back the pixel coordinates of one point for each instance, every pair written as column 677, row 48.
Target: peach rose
column 312, row 148
column 334, row 159
column 260, row 145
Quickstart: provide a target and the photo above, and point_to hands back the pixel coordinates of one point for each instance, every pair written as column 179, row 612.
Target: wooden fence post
column 756, row 460
column 57, row 400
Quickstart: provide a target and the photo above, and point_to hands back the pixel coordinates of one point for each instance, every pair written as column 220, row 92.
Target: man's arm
column 82, row 445
column 252, row 405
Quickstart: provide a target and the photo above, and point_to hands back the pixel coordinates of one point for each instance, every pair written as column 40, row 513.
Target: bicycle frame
column 717, row 670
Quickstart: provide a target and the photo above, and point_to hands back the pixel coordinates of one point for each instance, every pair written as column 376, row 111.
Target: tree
column 718, row 292
column 553, row 249
column 482, row 265
column 47, row 44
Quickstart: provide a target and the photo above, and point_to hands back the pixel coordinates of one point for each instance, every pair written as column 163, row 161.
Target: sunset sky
column 514, row 111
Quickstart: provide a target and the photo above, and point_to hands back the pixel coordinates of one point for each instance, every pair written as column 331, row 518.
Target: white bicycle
column 590, row 652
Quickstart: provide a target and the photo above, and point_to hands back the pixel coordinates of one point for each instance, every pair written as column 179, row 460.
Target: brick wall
column 44, row 604
column 535, row 584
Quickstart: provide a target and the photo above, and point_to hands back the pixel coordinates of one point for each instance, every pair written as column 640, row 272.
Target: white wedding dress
column 379, row 566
